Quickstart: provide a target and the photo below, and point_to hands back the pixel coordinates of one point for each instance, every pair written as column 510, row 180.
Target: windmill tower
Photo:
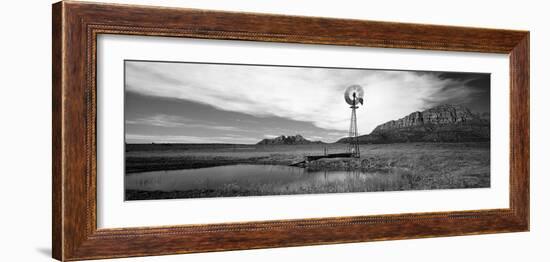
column 354, row 97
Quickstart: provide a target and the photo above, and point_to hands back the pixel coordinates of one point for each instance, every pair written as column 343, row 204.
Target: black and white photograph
column 203, row 130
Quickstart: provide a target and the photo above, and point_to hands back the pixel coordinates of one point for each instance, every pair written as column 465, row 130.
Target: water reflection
column 267, row 179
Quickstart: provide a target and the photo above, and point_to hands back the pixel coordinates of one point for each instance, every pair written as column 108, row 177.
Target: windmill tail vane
column 354, row 96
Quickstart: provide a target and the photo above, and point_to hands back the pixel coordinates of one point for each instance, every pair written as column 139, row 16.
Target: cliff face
column 445, row 123
column 287, row 140
column 440, row 115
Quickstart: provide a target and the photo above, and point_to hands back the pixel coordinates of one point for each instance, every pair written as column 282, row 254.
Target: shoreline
column 367, row 164
column 176, row 164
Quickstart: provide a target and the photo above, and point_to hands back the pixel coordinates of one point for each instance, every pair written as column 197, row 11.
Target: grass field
column 410, row 166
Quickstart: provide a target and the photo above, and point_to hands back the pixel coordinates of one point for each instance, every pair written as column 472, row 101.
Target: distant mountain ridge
column 444, row 123
column 287, row 140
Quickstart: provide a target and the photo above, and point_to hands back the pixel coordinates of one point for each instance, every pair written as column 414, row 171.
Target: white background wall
column 25, row 149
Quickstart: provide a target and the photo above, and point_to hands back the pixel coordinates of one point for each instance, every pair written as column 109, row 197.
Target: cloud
column 303, row 94
column 231, row 139
column 314, row 138
column 162, row 120
column 455, row 91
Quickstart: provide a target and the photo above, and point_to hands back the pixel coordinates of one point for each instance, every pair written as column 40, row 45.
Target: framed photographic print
column 182, row 130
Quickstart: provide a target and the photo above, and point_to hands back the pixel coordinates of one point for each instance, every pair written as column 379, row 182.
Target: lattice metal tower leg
column 353, row 146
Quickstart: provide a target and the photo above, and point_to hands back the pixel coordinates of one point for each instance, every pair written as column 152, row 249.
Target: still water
column 274, row 178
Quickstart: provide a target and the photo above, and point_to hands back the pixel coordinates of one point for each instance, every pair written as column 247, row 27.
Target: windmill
column 354, row 97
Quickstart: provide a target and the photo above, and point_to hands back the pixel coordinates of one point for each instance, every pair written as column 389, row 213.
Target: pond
column 249, row 180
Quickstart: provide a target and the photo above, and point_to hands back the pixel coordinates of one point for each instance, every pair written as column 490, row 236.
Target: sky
column 184, row 102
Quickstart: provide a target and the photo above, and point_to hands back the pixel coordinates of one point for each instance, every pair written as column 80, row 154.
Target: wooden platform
column 317, row 157
column 312, row 158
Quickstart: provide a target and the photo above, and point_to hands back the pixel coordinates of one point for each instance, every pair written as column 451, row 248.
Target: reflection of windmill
column 354, row 97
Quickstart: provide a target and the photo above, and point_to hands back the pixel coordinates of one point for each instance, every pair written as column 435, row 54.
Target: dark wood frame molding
column 76, row 26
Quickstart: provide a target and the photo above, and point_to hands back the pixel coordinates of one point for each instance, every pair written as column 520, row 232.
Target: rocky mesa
column 444, row 123
column 287, row 140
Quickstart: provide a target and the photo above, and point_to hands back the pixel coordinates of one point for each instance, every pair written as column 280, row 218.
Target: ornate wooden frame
column 76, row 26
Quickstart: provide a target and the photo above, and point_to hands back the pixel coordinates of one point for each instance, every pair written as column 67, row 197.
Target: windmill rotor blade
column 356, row 90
